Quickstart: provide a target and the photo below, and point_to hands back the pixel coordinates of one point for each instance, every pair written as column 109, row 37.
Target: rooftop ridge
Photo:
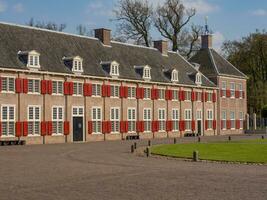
column 133, row 45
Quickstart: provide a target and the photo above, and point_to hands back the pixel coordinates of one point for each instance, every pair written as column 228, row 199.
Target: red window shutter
column 90, row 89
column 66, row 88
column 43, row 86
column 193, row 125
column 213, row 97
column 49, row 128
column 169, row 125
column 243, row 94
column 138, row 126
column 214, row 123
column 137, row 93
column 153, row 126
column 18, row 129
column 0, row 83
column 90, row 127
column 25, row 128
column 181, row 125
column 237, row 124
column 104, row 127
column 85, row 89
column 206, row 124
column 142, row 93
column 156, row 93
column 66, row 128
column 49, row 87
column 221, row 91
column 104, row 91
column 236, row 94
column 0, row 129
column 228, row 123
column 170, row 95
column 152, row 93
column 142, row 126
column 43, row 128
column 109, row 126
column 180, row 95
column 126, row 126
column 125, row 92
column 122, row 127
column 122, row 91
column 167, row 97
column 71, row 88
column 228, row 93
column 18, row 85
column 25, row 85
column 206, row 96
column 108, row 89
column 203, row 96
column 192, row 96
column 221, row 124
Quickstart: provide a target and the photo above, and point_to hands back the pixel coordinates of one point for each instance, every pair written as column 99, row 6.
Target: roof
column 213, row 64
column 54, row 46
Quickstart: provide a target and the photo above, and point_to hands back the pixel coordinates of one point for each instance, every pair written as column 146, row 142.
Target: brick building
column 57, row 87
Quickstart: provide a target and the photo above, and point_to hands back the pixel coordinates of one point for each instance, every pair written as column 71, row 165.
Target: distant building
column 57, row 87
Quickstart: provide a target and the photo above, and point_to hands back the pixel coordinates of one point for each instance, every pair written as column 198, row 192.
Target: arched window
column 174, row 75
column 77, row 64
column 114, row 69
column 146, row 73
column 198, row 79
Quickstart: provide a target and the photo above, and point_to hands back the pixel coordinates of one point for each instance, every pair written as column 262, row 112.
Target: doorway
column 77, row 124
column 199, row 128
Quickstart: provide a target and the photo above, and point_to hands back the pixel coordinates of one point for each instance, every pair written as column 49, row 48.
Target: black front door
column 199, row 127
column 77, row 129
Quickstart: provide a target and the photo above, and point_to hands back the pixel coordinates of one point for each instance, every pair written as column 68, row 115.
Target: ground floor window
column 34, row 120
column 147, row 119
column 175, row 120
column 97, row 119
column 57, row 120
column 232, row 119
column 188, row 119
column 115, row 120
column 131, row 119
column 162, row 119
column 8, row 120
column 223, row 120
column 241, row 120
column 209, row 119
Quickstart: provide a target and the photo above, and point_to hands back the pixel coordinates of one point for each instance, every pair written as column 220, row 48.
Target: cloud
column 3, row 6
column 19, row 8
column 259, row 12
column 218, row 39
column 99, row 8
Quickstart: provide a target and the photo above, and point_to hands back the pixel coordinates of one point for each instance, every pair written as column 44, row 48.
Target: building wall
column 47, row 101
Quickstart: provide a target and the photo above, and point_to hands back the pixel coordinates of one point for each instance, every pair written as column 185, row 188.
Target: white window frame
column 131, row 93
column 161, row 93
column 198, row 79
column 34, row 86
column 188, row 119
column 175, row 95
column 147, row 117
column 97, row 120
column 8, row 120
column 147, row 72
column 224, row 88
column 114, row 91
column 188, row 95
column 77, row 64
column 210, row 117
column 114, row 69
column 100, row 89
column 232, row 89
column 77, row 111
column 240, row 87
column 115, row 121
column 224, row 120
column 199, row 114
column 59, row 122
column 174, row 77
column 232, row 120
column 147, row 93
column 175, row 119
column 77, row 88
column 162, row 119
column 33, row 60
column 34, row 120
column 8, row 82
column 57, row 82
column 131, row 120
column 209, row 95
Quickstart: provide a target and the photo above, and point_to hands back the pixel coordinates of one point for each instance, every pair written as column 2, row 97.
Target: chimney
column 162, row 46
column 103, row 35
column 206, row 41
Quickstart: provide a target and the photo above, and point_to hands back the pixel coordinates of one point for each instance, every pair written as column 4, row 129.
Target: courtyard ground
column 107, row 170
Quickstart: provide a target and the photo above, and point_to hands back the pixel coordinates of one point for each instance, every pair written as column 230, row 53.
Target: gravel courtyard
column 107, row 170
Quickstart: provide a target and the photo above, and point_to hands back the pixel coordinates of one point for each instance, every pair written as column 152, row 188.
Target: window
column 8, row 120
column 188, row 95
column 96, row 90
column 162, row 119
column 114, row 69
column 146, row 73
column 77, row 65
column 232, row 89
column 114, row 90
column 175, row 119
column 209, row 118
column 131, row 92
column 223, row 89
column 161, row 94
column 33, row 59
column 34, row 86
column 240, row 88
column 147, row 119
column 8, row 84
column 57, row 119
column 131, row 119
column 199, row 96
column 77, row 111
column 175, row 95
column 198, row 79
column 241, row 119
column 232, row 119
column 174, row 76
column 77, row 89
column 199, row 115
column 209, row 95
column 188, row 118
column 115, row 120
column 34, row 120
column 97, row 119
column 147, row 93
column 223, row 123
column 57, row 87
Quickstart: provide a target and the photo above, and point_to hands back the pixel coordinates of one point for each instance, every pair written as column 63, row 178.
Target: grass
column 250, row 151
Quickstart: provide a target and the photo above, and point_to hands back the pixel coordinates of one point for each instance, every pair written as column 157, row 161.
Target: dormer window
column 198, row 79
column 30, row 58
column 77, row 64
column 114, row 69
column 146, row 73
column 174, row 77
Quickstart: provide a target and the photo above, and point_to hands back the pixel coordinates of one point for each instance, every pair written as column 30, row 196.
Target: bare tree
column 83, row 30
column 47, row 25
column 135, row 19
column 171, row 18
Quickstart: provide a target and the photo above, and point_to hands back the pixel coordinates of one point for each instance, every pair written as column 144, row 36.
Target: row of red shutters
column 21, row 86
column 46, row 128
column 238, row 93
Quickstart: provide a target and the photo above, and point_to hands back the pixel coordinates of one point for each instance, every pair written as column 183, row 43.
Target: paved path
column 106, row 170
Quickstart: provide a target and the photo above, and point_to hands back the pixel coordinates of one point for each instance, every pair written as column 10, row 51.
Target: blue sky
column 229, row 19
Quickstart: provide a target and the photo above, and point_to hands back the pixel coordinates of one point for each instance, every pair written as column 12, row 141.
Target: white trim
column 9, row 92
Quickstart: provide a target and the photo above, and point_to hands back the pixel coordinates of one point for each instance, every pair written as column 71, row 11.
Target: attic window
column 33, row 59
column 198, row 79
column 174, row 77
column 146, row 73
column 77, row 64
column 114, row 69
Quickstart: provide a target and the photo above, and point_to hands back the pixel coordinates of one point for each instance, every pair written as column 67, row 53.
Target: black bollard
column 199, row 139
column 132, row 148
column 149, row 143
column 262, row 137
column 135, row 145
column 174, row 141
column 195, row 156
column 147, row 152
column 229, row 138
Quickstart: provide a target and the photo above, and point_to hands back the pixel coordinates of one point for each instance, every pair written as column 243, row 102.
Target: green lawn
column 253, row 151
